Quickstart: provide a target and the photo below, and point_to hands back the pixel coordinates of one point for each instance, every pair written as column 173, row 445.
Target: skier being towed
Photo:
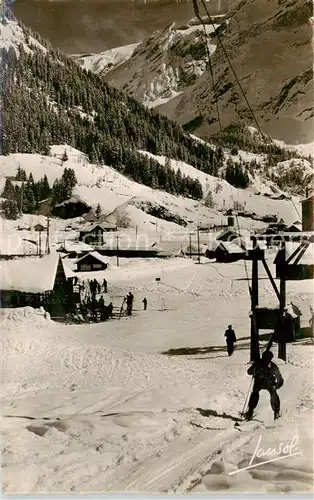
column 266, row 376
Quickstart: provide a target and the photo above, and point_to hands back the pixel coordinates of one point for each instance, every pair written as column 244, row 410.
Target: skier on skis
column 266, row 376
column 230, row 339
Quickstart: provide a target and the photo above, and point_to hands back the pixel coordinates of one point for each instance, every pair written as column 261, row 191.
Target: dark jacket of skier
column 266, row 376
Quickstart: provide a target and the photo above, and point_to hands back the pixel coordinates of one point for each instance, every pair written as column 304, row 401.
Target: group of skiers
column 89, row 289
column 96, row 288
column 95, row 310
column 266, row 376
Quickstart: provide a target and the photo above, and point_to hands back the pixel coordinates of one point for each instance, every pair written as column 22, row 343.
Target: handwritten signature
column 283, row 450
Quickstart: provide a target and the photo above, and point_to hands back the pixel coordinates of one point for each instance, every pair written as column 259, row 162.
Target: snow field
column 116, row 193
column 99, row 408
column 107, row 60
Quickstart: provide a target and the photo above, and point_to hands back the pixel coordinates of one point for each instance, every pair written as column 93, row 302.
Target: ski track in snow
column 98, row 408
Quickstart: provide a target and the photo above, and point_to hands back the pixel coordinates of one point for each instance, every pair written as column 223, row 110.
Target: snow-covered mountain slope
column 104, row 185
column 294, row 174
column 107, row 60
column 166, row 63
column 125, row 202
column 127, row 407
column 263, row 41
column 224, row 196
column 12, row 36
column 269, row 45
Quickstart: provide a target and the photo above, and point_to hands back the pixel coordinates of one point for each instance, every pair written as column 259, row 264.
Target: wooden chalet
column 269, row 319
column 75, row 249
column 296, row 227
column 166, row 249
column 225, row 251
column 269, row 218
column 193, row 250
column 36, row 281
column 295, row 261
column 93, row 233
column 39, row 227
column 93, row 261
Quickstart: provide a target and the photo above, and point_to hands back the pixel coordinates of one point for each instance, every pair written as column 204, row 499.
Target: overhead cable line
column 263, row 136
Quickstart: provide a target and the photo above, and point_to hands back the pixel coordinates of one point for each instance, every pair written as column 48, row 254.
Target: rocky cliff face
column 166, row 64
column 269, row 44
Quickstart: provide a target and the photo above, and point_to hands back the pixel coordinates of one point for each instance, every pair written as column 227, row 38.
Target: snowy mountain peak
column 166, row 63
column 12, row 36
column 168, row 70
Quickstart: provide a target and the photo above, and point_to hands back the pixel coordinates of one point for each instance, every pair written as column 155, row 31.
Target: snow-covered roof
column 39, row 227
column 226, row 233
column 96, row 255
column 246, row 244
column 305, row 258
column 296, row 226
column 29, row 274
column 75, row 246
column 67, row 269
column 75, row 198
column 171, row 247
column 229, row 246
column 103, row 225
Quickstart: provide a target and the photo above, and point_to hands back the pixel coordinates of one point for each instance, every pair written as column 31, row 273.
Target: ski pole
column 247, row 398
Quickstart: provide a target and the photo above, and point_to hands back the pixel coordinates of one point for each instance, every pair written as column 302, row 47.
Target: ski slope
column 119, row 406
column 116, row 193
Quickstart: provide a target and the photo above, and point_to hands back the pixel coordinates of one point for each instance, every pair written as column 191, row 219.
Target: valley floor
column 148, row 403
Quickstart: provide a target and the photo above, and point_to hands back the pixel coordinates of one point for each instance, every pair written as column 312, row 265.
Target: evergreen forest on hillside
column 48, row 99
column 24, row 195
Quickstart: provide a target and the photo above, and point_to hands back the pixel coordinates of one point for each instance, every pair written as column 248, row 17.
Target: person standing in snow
column 105, row 285
column 230, row 339
column 93, row 288
column 129, row 303
column 267, row 377
column 110, row 310
column 145, row 303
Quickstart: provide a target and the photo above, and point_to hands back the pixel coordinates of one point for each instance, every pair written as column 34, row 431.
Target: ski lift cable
column 197, row 13
column 264, row 138
column 196, row 10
